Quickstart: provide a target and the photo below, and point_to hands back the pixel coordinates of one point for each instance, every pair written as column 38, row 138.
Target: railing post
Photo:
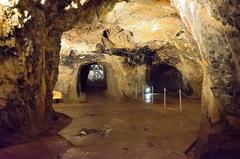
column 152, row 94
column 164, row 97
column 180, row 99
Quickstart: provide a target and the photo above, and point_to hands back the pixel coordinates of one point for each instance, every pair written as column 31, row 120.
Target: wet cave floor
column 103, row 128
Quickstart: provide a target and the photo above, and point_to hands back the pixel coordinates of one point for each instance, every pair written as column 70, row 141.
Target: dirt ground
column 106, row 128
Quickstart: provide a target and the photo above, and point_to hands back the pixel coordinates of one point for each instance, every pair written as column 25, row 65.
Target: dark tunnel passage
column 91, row 79
column 162, row 76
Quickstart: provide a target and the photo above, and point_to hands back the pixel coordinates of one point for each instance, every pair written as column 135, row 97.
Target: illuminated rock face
column 216, row 29
column 142, row 34
column 28, row 69
column 27, row 79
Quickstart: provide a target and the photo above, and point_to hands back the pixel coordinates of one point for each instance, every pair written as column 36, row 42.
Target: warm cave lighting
column 8, row 2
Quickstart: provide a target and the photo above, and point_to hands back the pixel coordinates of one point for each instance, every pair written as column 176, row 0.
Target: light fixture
column 148, row 90
column 148, row 98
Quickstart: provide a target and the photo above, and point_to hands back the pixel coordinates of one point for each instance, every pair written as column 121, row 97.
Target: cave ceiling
column 130, row 25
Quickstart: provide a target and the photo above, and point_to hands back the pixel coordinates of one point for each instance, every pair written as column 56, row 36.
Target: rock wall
column 125, row 68
column 25, row 103
column 29, row 55
column 129, row 43
column 214, row 25
column 121, row 79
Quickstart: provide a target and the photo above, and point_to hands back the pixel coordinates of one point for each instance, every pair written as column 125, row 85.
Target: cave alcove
column 162, row 76
column 91, row 79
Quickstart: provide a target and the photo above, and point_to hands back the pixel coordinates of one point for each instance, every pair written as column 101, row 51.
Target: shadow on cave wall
column 162, row 76
column 91, row 79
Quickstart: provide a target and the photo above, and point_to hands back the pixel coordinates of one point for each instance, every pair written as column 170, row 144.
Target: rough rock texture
column 29, row 69
column 112, row 33
column 215, row 26
column 143, row 34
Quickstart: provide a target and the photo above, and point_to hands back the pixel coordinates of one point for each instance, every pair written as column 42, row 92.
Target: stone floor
column 104, row 128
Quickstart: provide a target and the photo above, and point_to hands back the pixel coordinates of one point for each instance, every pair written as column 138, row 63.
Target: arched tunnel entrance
column 91, row 79
column 162, row 76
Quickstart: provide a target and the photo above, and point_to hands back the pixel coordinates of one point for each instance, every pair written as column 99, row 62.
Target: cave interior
column 103, row 60
column 91, row 79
